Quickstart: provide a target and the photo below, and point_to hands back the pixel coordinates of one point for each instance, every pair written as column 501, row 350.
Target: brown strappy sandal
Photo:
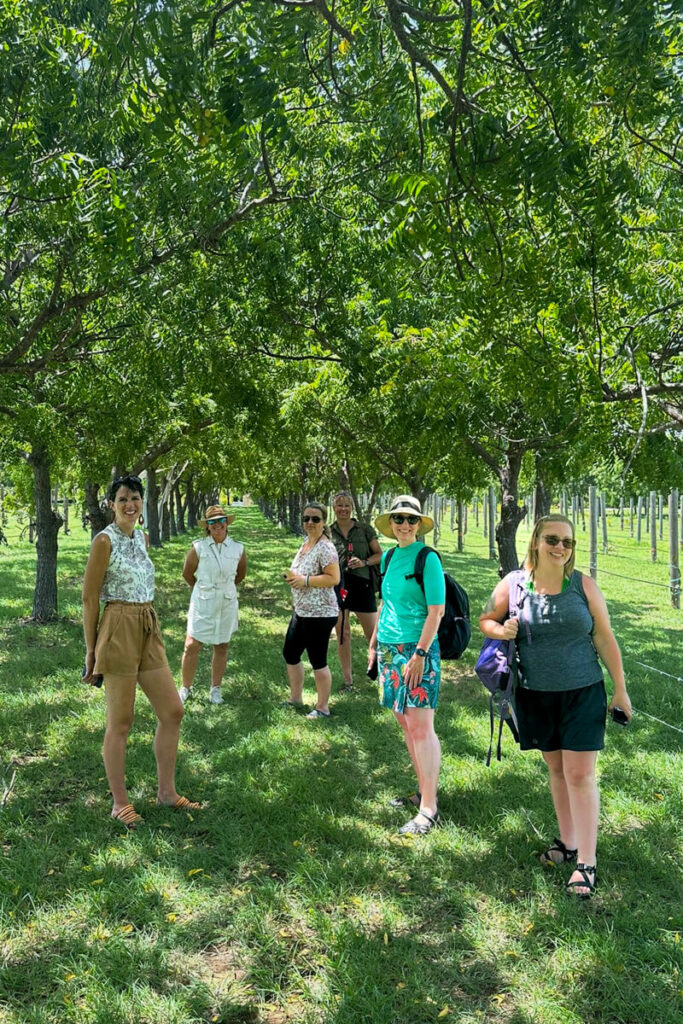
column 128, row 817
column 182, row 804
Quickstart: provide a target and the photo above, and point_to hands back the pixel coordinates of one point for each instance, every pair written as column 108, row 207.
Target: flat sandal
column 566, row 855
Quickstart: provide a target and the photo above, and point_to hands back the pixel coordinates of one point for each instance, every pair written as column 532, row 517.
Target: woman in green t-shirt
column 406, row 648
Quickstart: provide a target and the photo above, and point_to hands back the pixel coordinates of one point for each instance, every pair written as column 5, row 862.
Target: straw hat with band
column 216, row 512
column 404, row 505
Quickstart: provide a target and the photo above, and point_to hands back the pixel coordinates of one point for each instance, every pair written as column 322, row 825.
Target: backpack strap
column 516, row 599
column 386, row 558
column 418, row 573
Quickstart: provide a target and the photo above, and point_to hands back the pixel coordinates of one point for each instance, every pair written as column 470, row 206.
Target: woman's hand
column 414, row 671
column 510, row 629
column 621, row 700
column 296, row 580
column 89, row 667
column 355, row 563
column 372, row 656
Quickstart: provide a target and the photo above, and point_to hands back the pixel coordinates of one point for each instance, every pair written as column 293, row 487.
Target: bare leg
column 160, row 690
column 296, row 682
column 427, row 749
column 120, row 697
column 558, row 791
column 190, row 659
column 218, row 663
column 367, row 621
column 323, row 685
column 401, row 719
column 584, row 800
column 344, row 649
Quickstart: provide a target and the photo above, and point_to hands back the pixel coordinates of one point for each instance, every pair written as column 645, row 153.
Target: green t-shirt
column 404, row 606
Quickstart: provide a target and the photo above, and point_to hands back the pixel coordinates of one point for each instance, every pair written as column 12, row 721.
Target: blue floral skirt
column 393, row 692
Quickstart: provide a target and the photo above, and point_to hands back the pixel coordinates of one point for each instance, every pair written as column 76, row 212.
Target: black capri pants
column 310, row 635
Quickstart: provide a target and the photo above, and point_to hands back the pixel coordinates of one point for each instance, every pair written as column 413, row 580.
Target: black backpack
column 454, row 629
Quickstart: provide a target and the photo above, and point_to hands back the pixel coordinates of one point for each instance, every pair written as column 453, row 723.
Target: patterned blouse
column 130, row 573
column 315, row 602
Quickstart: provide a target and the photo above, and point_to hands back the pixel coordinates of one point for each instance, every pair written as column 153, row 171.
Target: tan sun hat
column 214, row 512
column 405, row 505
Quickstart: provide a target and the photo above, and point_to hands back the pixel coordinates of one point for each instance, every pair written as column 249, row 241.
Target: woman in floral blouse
column 313, row 575
column 124, row 648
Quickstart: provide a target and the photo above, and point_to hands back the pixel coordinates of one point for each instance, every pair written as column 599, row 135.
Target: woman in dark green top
column 562, row 627
column 358, row 549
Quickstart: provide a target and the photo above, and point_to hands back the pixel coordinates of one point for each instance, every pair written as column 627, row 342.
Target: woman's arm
column 493, row 621
column 329, row 577
column 190, row 567
column 96, row 567
column 606, row 644
column 241, row 568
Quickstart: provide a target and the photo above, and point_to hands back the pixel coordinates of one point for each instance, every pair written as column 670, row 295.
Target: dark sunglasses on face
column 411, row 520
column 553, row 540
column 214, row 522
column 313, row 519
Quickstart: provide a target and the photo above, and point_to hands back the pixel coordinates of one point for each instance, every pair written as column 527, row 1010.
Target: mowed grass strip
column 291, row 898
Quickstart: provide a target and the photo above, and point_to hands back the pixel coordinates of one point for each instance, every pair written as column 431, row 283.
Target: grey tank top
column 555, row 640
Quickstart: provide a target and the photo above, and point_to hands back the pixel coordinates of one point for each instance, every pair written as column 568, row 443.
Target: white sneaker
column 184, row 693
column 215, row 697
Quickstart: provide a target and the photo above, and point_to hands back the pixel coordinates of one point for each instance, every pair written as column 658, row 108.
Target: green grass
column 291, row 898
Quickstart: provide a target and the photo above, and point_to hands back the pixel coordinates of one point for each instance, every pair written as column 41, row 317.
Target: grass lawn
column 291, row 898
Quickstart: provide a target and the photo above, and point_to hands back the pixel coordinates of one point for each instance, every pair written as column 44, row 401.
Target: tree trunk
column 48, row 524
column 180, row 511
column 542, row 496
column 95, row 514
column 153, row 508
column 170, row 507
column 511, row 513
column 190, row 504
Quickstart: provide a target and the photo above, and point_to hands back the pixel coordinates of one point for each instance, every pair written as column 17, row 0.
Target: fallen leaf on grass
column 127, row 928
column 401, row 985
column 529, row 928
column 171, row 917
column 97, row 881
column 69, row 977
column 444, row 1013
column 386, row 939
column 194, row 871
column 658, row 796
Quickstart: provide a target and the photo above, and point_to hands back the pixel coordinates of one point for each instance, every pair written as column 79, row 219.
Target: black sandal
column 566, row 855
column 419, row 828
column 406, row 801
column 583, row 883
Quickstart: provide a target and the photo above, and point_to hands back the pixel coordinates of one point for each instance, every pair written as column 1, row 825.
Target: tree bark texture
column 153, row 509
column 95, row 510
column 48, row 524
column 511, row 513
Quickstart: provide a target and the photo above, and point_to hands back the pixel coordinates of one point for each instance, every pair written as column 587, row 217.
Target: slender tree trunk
column 542, row 496
column 96, row 515
column 180, row 511
column 511, row 513
column 190, row 504
column 153, row 508
column 48, row 524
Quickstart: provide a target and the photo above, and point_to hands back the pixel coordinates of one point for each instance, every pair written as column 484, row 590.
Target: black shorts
column 310, row 635
column 564, row 720
column 360, row 596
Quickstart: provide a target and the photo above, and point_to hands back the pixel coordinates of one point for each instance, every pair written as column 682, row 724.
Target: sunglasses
column 313, row 519
column 123, row 479
column 552, row 540
column 219, row 519
column 411, row 520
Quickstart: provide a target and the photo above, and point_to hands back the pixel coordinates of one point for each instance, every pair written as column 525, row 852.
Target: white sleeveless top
column 213, row 615
column 130, row 573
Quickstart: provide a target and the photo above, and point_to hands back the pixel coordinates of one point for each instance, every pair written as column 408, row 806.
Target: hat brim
column 383, row 522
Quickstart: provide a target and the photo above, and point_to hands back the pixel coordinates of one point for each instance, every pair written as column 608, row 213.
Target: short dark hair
column 133, row 483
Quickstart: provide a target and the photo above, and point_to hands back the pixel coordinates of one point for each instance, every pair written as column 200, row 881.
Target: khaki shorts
column 129, row 640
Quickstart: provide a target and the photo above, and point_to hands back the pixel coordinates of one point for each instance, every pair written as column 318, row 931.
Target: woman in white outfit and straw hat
column 214, row 567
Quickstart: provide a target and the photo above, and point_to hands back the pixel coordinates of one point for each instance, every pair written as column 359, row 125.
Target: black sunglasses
column 124, row 479
column 313, row 519
column 219, row 519
column 398, row 519
column 553, row 540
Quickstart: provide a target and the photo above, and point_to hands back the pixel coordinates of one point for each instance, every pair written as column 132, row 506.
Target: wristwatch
column 420, row 651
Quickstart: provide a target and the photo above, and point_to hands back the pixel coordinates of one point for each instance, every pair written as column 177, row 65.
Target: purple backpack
column 498, row 668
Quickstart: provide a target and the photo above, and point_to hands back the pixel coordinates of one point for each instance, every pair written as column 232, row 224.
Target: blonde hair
column 531, row 557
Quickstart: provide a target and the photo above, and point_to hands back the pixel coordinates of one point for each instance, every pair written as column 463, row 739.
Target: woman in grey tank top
column 562, row 628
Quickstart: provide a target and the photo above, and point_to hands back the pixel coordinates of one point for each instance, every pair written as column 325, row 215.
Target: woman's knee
column 419, row 728
column 119, row 724
column 173, row 714
column 577, row 775
column 192, row 646
column 221, row 649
